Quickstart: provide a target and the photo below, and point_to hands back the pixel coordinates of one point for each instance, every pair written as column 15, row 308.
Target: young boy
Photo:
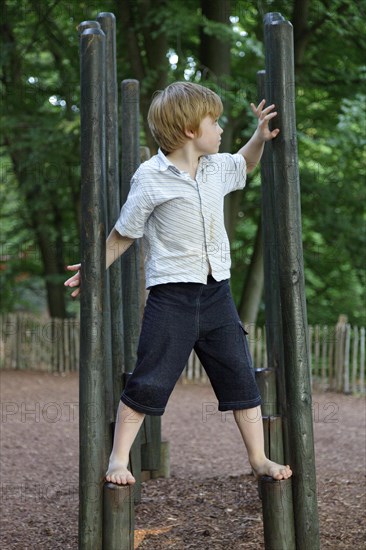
column 176, row 203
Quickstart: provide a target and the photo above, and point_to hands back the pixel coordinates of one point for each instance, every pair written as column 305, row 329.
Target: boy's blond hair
column 179, row 107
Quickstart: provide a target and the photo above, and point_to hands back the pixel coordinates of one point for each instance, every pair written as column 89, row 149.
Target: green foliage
column 40, row 151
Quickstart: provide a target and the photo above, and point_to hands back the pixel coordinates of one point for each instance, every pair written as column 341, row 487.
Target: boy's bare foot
column 271, row 469
column 119, row 474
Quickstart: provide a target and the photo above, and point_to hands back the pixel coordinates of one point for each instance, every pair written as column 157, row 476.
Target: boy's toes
column 285, row 472
column 121, row 479
column 277, row 471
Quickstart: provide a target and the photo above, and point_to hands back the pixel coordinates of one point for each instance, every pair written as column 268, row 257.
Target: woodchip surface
column 210, row 501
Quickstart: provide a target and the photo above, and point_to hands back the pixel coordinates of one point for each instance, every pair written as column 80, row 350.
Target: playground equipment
column 110, row 317
column 286, row 319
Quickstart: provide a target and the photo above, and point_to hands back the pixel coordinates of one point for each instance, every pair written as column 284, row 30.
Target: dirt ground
column 210, row 502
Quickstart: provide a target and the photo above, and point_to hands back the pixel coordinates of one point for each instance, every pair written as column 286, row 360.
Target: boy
column 176, row 204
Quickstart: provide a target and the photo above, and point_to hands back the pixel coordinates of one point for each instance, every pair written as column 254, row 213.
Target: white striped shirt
column 181, row 219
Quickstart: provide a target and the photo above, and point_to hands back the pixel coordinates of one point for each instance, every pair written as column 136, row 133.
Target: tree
column 36, row 159
column 220, row 45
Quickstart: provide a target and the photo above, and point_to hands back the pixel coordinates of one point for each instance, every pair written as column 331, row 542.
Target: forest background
column 218, row 43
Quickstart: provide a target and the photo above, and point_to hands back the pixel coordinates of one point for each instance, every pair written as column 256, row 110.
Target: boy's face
column 207, row 142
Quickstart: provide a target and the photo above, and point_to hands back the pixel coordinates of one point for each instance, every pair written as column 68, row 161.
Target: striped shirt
column 181, row 219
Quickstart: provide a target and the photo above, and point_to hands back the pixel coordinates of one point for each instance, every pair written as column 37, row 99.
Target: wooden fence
column 337, row 357
column 337, row 353
column 34, row 343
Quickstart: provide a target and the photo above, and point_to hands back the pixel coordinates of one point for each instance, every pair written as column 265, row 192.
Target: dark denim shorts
column 179, row 317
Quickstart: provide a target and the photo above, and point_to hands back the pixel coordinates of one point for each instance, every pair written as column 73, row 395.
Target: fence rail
column 337, row 353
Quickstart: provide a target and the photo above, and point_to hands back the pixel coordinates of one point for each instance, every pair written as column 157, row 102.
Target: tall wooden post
column 278, row 515
column 130, row 160
column 118, row 506
column 93, row 235
column 108, row 25
column 280, row 82
column 274, row 337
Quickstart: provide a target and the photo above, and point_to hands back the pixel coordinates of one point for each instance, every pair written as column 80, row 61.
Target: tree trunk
column 214, row 52
column 55, row 290
column 154, row 68
column 301, row 35
column 253, row 287
column 30, row 185
column 215, row 59
column 215, row 67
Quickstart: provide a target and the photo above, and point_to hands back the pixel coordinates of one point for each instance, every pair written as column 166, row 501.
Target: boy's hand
column 74, row 280
column 264, row 116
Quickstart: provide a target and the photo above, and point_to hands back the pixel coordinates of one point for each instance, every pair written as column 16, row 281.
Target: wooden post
column 274, row 337
column 346, row 382
column 87, row 25
column 118, row 517
column 164, row 468
column 279, row 533
column 280, row 80
column 131, row 271
column 273, row 440
column 362, row 359
column 324, row 357
column 130, row 161
column 150, row 449
column 266, row 381
column 93, row 235
column 354, row 359
column 108, row 25
column 118, row 522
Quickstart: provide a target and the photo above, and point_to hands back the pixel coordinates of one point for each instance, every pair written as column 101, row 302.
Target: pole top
column 130, row 83
column 89, row 31
column 106, row 15
column 88, row 25
column 273, row 18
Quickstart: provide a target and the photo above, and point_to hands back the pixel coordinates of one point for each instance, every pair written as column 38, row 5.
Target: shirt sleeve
column 135, row 211
column 233, row 172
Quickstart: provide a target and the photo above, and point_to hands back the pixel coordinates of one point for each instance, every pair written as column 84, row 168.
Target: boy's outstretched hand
column 74, row 280
column 264, row 116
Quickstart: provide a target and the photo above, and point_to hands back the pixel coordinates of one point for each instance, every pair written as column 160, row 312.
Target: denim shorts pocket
column 242, row 326
column 248, row 356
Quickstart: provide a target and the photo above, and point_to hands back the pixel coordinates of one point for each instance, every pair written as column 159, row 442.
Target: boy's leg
column 224, row 353
column 250, row 424
column 128, row 423
column 166, row 340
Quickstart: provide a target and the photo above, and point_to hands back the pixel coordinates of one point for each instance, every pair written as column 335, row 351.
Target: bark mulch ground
column 210, row 502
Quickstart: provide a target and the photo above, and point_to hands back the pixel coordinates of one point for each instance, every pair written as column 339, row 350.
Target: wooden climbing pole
column 289, row 506
column 110, row 311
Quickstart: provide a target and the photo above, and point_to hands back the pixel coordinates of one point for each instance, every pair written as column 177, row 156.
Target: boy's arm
column 116, row 245
column 253, row 150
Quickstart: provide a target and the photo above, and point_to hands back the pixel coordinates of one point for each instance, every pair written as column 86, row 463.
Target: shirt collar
column 164, row 162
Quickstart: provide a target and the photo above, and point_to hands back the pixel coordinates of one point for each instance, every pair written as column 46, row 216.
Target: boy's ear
column 189, row 133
